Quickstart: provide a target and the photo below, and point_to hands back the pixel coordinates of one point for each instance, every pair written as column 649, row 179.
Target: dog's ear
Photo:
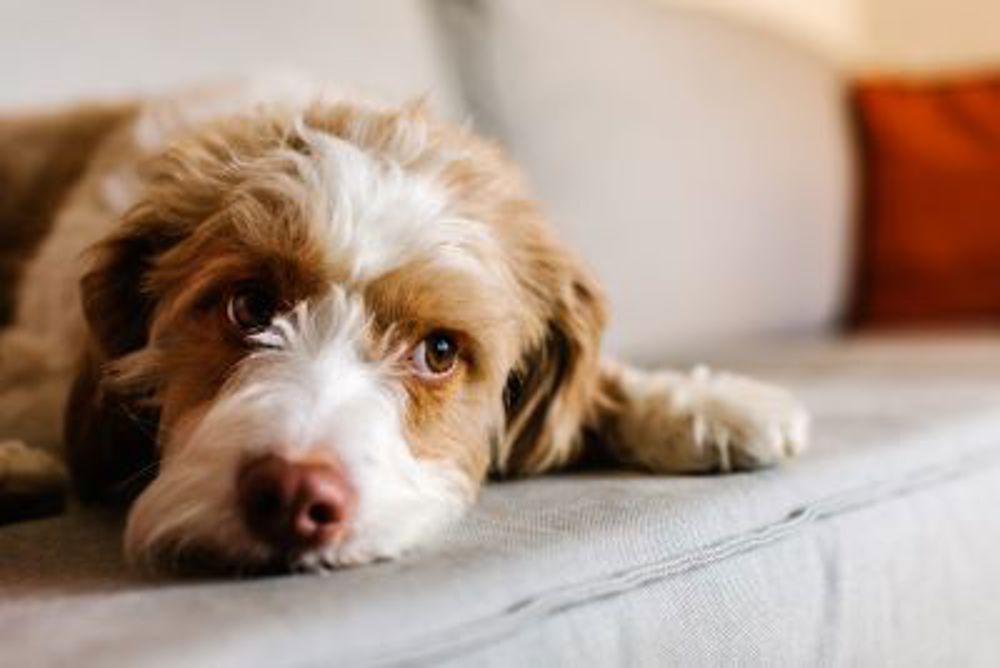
column 110, row 437
column 110, row 433
column 116, row 306
column 554, row 392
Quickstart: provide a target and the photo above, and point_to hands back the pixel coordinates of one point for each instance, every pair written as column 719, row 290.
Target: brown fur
column 41, row 158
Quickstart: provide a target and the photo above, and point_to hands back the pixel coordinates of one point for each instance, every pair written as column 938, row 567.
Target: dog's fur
column 371, row 226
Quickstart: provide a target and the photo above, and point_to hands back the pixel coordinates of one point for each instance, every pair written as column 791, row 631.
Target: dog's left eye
column 436, row 355
column 250, row 310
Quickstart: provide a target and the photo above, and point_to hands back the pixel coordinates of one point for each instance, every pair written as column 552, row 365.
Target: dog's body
column 326, row 320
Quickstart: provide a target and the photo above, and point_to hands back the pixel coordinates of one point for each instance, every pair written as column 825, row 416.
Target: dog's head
column 331, row 323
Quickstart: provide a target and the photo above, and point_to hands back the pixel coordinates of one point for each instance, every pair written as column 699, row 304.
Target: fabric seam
column 486, row 630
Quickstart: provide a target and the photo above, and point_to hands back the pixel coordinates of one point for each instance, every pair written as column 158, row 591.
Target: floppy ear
column 554, row 395
column 110, row 433
column 110, row 437
column 116, row 306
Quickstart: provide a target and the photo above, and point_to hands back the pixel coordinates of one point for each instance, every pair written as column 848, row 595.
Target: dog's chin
column 185, row 554
column 190, row 543
column 205, row 559
column 180, row 526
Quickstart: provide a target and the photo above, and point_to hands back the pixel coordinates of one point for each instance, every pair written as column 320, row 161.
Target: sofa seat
column 880, row 546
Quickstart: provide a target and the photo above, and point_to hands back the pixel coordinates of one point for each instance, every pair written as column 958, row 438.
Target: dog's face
column 341, row 317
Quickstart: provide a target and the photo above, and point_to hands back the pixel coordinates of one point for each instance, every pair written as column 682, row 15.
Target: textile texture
column 878, row 547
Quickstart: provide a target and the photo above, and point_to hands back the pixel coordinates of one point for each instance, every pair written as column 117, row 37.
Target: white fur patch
column 311, row 390
column 379, row 217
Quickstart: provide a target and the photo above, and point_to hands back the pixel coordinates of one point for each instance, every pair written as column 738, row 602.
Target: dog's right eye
column 250, row 310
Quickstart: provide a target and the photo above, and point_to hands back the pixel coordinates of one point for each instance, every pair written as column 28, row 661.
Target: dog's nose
column 294, row 505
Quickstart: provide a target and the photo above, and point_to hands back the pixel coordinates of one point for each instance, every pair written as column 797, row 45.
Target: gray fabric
column 702, row 168
column 878, row 547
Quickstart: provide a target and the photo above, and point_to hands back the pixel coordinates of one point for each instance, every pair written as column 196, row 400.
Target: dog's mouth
column 206, row 562
column 192, row 560
column 203, row 562
column 189, row 556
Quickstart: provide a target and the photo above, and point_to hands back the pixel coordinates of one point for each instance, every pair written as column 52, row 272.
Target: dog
column 300, row 329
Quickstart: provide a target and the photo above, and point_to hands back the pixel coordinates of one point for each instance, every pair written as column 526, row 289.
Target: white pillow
column 702, row 168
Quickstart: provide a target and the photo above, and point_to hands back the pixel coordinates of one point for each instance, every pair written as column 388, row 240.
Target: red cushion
column 930, row 228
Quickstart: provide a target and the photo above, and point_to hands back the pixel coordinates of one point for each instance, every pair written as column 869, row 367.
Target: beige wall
column 933, row 35
column 881, row 35
column 832, row 26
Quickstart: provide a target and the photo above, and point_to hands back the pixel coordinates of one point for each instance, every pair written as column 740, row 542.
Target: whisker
column 145, row 470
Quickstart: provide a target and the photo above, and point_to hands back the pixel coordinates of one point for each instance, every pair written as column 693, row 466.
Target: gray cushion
column 877, row 547
column 701, row 167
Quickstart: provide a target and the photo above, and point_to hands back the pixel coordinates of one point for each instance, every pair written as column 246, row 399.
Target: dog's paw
column 708, row 421
column 746, row 423
column 32, row 482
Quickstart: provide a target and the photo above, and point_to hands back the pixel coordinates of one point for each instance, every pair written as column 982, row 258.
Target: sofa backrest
column 54, row 51
column 702, row 168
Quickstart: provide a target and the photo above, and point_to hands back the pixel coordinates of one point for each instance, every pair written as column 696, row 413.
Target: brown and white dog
column 314, row 325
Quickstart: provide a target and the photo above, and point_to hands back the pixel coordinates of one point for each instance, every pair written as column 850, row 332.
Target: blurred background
column 58, row 50
column 732, row 169
column 912, row 36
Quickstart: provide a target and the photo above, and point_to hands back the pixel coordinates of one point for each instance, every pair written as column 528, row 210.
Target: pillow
column 930, row 238
column 700, row 167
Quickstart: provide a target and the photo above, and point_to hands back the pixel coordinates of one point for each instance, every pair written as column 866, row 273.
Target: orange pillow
column 930, row 228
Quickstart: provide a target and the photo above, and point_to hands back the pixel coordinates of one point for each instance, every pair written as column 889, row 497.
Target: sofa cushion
column 58, row 52
column 701, row 167
column 930, row 239
column 877, row 547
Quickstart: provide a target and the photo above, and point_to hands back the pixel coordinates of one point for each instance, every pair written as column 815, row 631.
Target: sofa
column 707, row 171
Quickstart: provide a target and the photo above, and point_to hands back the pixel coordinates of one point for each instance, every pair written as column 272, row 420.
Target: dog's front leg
column 671, row 422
